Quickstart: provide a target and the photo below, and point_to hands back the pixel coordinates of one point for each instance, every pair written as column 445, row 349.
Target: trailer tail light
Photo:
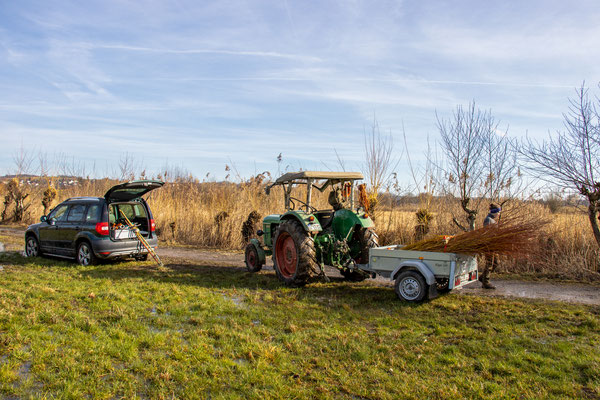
column 457, row 282
column 102, row 228
column 152, row 226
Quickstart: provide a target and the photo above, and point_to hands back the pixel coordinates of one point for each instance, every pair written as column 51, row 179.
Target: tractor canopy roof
column 318, row 175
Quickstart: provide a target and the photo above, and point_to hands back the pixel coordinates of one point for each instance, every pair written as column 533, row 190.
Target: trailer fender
column 417, row 265
column 261, row 252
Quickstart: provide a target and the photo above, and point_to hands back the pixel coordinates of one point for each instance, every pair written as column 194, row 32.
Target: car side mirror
column 260, row 232
column 43, row 218
column 52, row 221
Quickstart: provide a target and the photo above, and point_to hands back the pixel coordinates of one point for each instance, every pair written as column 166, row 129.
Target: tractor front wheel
column 294, row 254
column 252, row 260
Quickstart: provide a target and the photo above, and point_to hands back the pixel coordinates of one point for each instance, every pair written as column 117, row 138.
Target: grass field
column 130, row 330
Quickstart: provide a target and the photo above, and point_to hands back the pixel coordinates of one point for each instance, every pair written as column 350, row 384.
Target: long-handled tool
column 142, row 240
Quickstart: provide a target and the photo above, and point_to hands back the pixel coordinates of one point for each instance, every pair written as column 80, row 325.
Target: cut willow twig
column 509, row 237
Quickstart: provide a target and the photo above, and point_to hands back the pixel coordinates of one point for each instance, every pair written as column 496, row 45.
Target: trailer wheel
column 294, row 254
column 410, row 286
column 251, row 258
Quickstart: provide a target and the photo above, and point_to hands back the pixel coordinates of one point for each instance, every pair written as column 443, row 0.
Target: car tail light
column 152, row 226
column 102, row 228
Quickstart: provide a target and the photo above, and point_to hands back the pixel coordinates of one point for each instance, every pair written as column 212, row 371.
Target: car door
column 49, row 230
column 69, row 228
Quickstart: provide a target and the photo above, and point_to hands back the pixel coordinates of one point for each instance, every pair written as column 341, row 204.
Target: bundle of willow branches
column 515, row 237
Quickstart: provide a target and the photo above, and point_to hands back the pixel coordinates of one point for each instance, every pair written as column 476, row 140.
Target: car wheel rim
column 31, row 250
column 410, row 288
column 286, row 255
column 84, row 255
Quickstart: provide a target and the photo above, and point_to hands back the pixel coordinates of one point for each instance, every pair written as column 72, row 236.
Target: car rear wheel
column 85, row 254
column 32, row 247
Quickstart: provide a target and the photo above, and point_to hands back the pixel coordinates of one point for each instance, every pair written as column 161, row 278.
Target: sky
column 203, row 84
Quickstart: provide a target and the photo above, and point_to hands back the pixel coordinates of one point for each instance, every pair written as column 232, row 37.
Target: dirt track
column 574, row 293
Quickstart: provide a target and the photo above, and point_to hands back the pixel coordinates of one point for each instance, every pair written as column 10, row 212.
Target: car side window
column 92, row 214
column 76, row 213
column 59, row 212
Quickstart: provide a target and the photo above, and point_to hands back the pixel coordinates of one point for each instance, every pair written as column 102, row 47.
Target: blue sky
column 201, row 84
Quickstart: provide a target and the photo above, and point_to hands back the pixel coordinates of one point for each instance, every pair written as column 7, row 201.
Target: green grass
column 131, row 330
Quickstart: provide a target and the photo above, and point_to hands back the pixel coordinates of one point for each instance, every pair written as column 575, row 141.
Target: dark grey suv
column 88, row 228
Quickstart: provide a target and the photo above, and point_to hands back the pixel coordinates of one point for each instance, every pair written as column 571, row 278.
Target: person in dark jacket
column 491, row 261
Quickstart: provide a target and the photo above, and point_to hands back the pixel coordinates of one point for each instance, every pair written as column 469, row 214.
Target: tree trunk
column 471, row 218
column 593, row 214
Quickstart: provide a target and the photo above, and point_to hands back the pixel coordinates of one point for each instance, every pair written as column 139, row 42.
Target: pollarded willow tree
column 480, row 160
column 571, row 158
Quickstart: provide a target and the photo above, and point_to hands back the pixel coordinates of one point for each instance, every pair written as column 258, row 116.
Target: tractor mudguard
column 261, row 252
column 345, row 220
column 305, row 219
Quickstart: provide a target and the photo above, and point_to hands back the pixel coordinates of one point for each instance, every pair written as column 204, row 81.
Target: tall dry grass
column 211, row 215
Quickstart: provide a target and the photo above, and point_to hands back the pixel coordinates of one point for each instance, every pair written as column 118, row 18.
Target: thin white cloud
column 270, row 54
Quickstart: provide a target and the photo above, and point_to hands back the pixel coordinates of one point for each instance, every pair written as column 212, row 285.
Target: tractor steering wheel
column 308, row 207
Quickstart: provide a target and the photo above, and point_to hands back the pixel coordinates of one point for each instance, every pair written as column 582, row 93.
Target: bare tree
column 43, row 164
column 503, row 177
column 463, row 141
column 23, row 159
column 481, row 162
column 571, row 159
column 380, row 159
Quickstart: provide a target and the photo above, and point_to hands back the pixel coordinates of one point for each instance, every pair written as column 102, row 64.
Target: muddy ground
column 568, row 292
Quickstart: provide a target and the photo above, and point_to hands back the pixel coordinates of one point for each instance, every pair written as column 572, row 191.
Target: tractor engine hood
column 131, row 190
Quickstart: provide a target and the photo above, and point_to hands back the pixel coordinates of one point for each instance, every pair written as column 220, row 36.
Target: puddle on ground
column 25, row 369
column 237, row 300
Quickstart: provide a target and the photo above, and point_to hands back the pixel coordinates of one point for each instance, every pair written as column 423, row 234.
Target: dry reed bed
column 211, row 215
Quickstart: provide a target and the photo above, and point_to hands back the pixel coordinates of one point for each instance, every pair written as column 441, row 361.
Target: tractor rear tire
column 367, row 238
column 294, row 254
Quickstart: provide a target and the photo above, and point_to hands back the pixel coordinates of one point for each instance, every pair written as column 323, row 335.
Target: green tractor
column 303, row 239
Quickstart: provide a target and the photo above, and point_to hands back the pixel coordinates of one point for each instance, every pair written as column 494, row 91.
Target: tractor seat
column 325, row 218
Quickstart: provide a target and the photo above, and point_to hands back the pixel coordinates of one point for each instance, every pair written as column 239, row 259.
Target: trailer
column 420, row 275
